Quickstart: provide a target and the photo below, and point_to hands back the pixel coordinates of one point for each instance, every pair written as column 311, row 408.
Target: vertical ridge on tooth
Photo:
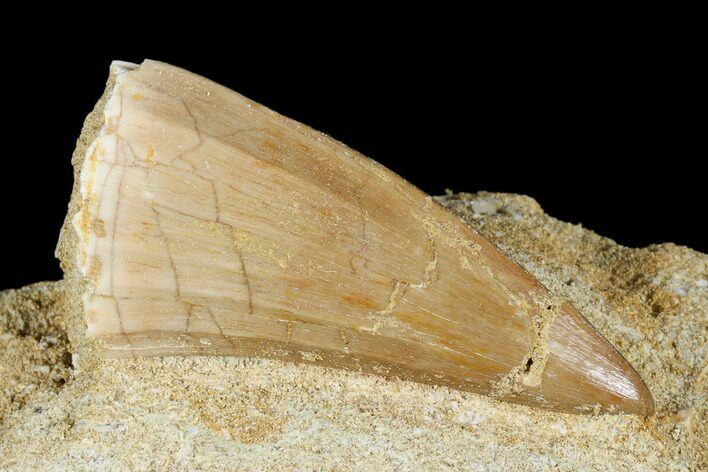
column 204, row 223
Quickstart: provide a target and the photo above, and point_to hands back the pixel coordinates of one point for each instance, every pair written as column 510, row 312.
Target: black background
column 604, row 128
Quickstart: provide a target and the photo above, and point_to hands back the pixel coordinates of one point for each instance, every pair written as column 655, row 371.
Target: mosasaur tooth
column 204, row 223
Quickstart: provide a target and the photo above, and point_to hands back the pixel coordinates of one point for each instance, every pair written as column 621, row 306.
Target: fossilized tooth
column 204, row 223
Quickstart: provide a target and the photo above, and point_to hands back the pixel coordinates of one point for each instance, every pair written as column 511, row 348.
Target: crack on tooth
column 190, row 308
column 178, row 296
column 449, row 236
column 529, row 373
column 201, row 141
column 218, row 326
column 120, row 322
column 182, row 157
column 217, row 207
column 112, row 253
column 195, row 125
column 288, row 332
column 547, row 310
column 363, row 215
column 430, row 274
column 125, row 142
column 247, row 281
column 86, row 220
column 431, row 270
column 163, row 238
column 383, row 318
column 399, row 289
column 541, row 311
column 239, row 254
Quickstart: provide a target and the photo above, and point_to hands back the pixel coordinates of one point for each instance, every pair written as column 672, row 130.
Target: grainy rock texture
column 246, row 414
column 34, row 351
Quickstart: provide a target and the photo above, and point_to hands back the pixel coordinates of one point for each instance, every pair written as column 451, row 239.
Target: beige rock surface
column 34, row 351
column 245, row 414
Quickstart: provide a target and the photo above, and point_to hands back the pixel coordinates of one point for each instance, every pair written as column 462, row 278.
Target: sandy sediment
column 63, row 410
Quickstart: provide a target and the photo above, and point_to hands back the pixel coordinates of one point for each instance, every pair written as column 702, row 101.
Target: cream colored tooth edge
column 208, row 224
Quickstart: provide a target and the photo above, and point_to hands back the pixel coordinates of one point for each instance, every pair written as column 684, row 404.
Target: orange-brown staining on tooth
column 111, row 125
column 95, row 268
column 271, row 149
column 85, row 218
column 93, row 159
column 93, row 316
column 99, row 228
column 288, row 331
column 359, row 301
column 278, row 180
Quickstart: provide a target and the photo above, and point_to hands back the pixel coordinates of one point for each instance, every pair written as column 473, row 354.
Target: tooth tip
column 645, row 403
column 585, row 369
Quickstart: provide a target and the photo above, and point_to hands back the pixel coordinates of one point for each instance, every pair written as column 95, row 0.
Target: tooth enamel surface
column 204, row 223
